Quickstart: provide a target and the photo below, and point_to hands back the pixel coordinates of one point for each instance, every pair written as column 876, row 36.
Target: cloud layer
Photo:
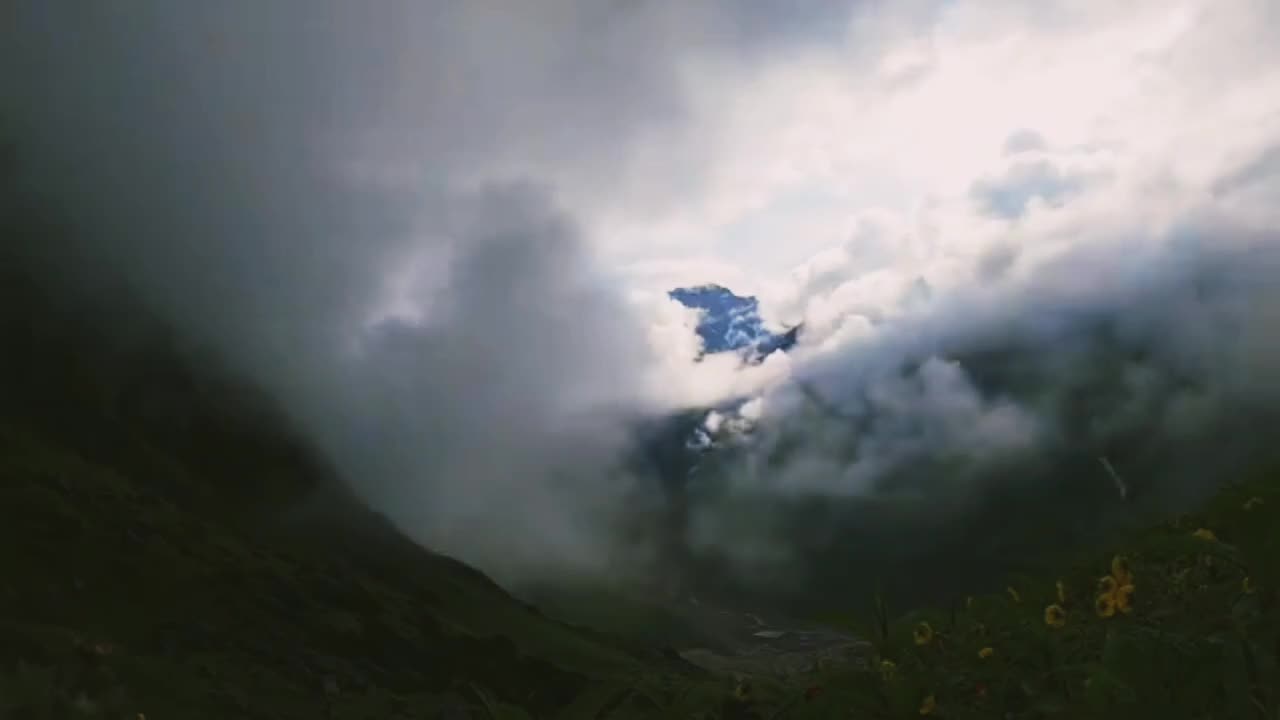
column 442, row 234
column 357, row 208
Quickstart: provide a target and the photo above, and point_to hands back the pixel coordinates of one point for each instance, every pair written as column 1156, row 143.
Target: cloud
column 1072, row 234
column 984, row 411
column 1007, row 196
column 1022, row 141
column 378, row 215
column 1021, row 237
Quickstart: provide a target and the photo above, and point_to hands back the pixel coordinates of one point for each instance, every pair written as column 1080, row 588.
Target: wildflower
column 1062, row 592
column 1105, row 605
column 1247, row 585
column 1106, row 585
column 1205, row 534
column 812, row 692
column 1055, row 616
column 1115, row 591
column 923, row 634
column 1014, row 594
column 1252, row 502
column 1121, row 571
column 986, row 653
column 887, row 668
column 928, row 705
column 981, row 691
column 1124, row 599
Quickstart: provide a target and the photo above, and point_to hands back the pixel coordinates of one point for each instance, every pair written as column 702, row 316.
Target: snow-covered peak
column 730, row 322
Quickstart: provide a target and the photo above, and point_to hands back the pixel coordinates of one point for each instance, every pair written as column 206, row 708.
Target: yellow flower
column 887, row 668
column 1123, row 598
column 1106, row 585
column 1062, row 592
column 1105, row 605
column 1247, row 586
column 1014, row 594
column 923, row 633
column 928, row 705
column 1252, row 503
column 1055, row 616
column 1205, row 534
column 1115, row 591
column 986, row 652
column 1120, row 570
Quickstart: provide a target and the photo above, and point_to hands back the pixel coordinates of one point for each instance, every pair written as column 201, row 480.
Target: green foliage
column 1200, row 639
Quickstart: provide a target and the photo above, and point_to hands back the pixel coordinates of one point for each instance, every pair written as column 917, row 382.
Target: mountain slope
column 172, row 547
column 731, row 322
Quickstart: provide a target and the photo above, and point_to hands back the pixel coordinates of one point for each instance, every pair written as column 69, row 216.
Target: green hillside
column 156, row 510
column 1178, row 621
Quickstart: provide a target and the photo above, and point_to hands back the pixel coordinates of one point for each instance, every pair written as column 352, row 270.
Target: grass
column 1198, row 637
column 169, row 546
column 117, row 601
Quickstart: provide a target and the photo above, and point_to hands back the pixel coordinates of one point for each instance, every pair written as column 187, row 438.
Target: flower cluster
column 1115, row 591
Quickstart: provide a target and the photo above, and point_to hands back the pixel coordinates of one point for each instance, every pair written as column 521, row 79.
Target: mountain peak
column 731, row 322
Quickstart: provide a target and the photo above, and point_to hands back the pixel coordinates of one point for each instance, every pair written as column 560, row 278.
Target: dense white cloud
column 1122, row 87
column 972, row 144
column 1020, row 237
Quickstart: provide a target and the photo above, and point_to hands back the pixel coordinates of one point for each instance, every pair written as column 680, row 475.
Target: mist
column 948, row 442
column 357, row 209
column 398, row 219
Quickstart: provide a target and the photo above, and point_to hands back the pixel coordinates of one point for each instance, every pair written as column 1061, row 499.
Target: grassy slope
column 168, row 511
column 153, row 506
column 209, row 621
column 1199, row 641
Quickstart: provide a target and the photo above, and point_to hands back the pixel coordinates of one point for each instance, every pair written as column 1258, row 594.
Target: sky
column 811, row 150
column 441, row 232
